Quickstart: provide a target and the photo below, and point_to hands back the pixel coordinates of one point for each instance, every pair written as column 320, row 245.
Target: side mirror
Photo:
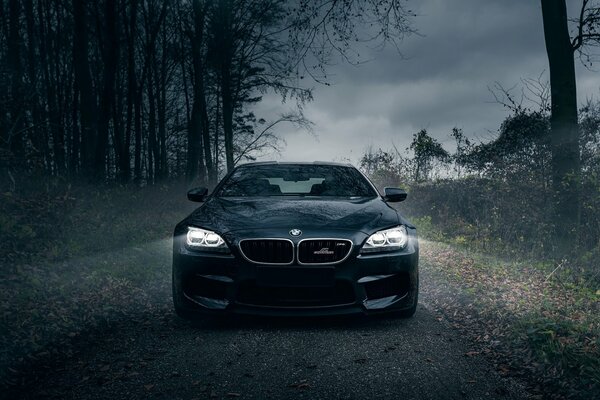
column 197, row 194
column 394, row 195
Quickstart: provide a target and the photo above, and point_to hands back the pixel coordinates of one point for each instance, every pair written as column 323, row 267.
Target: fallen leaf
column 303, row 384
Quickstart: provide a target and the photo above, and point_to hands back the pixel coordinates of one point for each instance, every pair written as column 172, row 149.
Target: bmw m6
column 295, row 239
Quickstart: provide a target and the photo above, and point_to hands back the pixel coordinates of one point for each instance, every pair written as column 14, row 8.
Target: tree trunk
column 44, row 21
column 14, row 134
column 199, row 118
column 189, row 172
column 84, row 83
column 193, row 145
column 59, row 87
column 75, row 135
column 131, row 89
column 35, row 136
column 121, row 152
column 227, row 99
column 222, row 27
column 110, row 55
column 162, row 108
column 216, row 151
column 199, row 87
column 152, row 151
column 563, row 122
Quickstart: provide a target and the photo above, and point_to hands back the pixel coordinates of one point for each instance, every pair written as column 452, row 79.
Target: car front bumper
column 362, row 284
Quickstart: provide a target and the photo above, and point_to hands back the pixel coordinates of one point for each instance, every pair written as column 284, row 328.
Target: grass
column 63, row 222
column 539, row 322
column 78, row 258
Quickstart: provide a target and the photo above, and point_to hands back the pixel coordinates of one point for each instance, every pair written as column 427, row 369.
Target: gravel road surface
column 155, row 355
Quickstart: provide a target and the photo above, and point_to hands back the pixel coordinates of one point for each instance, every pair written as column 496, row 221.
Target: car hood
column 230, row 214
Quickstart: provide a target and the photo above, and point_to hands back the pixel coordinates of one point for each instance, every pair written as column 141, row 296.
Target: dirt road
column 153, row 354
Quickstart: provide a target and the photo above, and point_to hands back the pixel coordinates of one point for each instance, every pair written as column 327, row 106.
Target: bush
column 508, row 218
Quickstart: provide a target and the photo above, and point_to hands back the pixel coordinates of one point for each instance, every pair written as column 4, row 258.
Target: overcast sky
column 466, row 46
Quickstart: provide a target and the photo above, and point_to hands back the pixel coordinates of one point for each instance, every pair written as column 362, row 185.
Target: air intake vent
column 323, row 251
column 295, row 297
column 268, row 251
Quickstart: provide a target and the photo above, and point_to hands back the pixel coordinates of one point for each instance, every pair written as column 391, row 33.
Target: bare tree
column 263, row 139
column 198, row 130
column 14, row 135
column 250, row 55
column 561, row 49
column 83, row 80
column 320, row 31
column 97, row 88
column 110, row 51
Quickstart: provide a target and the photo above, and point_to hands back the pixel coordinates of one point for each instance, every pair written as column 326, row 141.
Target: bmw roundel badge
column 295, row 232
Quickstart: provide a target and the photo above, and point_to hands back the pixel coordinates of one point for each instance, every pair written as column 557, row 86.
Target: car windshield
column 296, row 180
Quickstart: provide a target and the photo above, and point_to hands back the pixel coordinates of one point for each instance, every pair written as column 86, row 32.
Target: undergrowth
column 77, row 258
column 549, row 326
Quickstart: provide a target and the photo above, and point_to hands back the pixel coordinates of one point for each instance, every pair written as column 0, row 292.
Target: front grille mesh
column 323, row 251
column 268, row 251
column 251, row 294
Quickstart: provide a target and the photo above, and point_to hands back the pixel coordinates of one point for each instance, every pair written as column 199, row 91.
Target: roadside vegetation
column 531, row 323
column 76, row 260
column 486, row 211
column 54, row 221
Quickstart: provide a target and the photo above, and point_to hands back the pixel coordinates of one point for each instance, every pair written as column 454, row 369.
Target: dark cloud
column 441, row 80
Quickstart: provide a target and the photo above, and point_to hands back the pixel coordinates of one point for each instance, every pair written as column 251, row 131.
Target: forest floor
column 86, row 312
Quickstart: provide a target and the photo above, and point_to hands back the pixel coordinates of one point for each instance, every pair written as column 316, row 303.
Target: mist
column 475, row 129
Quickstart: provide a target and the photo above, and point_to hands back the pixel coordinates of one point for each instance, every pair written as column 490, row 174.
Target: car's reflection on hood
column 226, row 214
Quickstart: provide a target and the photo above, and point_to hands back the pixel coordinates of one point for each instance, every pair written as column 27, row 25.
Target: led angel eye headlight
column 202, row 239
column 387, row 240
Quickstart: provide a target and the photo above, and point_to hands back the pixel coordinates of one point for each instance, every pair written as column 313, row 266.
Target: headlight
column 201, row 239
column 388, row 240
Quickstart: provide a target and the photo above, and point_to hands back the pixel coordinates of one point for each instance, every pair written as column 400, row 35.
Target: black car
column 295, row 239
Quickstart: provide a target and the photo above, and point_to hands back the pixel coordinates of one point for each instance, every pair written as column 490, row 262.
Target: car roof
column 295, row 163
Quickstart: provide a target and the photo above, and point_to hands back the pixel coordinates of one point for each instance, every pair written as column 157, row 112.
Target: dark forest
column 145, row 91
column 111, row 110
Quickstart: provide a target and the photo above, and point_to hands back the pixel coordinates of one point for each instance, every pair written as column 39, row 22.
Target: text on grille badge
column 324, row 250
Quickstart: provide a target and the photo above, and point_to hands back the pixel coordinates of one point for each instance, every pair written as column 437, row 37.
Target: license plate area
column 295, row 276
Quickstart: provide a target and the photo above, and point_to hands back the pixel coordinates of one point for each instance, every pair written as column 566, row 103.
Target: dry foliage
column 530, row 322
